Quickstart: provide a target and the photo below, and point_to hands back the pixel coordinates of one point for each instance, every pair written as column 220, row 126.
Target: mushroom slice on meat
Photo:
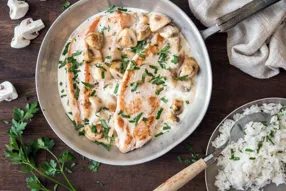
column 143, row 18
column 189, row 68
column 174, row 43
column 178, row 106
column 169, row 31
column 101, row 72
column 172, row 119
column 158, row 21
column 142, row 31
column 98, row 134
column 126, row 39
column 94, row 40
column 115, row 54
column 92, row 54
column 115, row 70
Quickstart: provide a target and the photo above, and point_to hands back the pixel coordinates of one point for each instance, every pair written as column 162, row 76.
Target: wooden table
column 231, row 89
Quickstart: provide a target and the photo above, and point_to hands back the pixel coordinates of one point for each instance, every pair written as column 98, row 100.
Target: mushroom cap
column 158, row 21
column 178, row 106
column 29, row 29
column 18, row 9
column 143, row 18
column 115, row 69
column 169, row 31
column 18, row 41
column 94, row 40
column 126, row 38
column 190, row 67
column 142, row 31
column 7, row 91
column 92, row 55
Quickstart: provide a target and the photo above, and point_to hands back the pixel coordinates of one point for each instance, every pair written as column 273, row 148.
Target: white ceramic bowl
column 46, row 82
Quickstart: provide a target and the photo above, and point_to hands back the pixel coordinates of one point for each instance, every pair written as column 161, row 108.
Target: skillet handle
column 231, row 19
column 180, row 179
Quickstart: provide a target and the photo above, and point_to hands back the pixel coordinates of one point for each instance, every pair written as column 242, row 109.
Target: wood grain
column 231, row 89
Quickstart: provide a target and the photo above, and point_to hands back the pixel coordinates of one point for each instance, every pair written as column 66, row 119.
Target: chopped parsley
column 108, row 57
column 181, row 78
column 93, row 93
column 252, row 158
column 154, row 68
column 139, row 48
column 104, row 145
column 166, row 126
column 136, row 119
column 133, row 66
column 163, row 99
column 158, row 80
column 134, row 86
column 88, row 85
column 113, row 8
column 159, row 134
column 66, row 4
column 249, row 150
column 123, row 66
column 94, row 166
column 232, row 156
column 123, row 115
column 187, row 102
column 159, row 91
column 163, row 56
column 159, row 113
column 66, row 49
column 81, row 133
column 116, row 89
column 175, row 59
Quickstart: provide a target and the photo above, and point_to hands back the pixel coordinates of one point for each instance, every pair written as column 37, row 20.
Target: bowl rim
column 246, row 105
column 73, row 146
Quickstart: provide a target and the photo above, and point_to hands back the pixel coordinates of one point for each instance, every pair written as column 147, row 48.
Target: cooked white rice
column 259, row 158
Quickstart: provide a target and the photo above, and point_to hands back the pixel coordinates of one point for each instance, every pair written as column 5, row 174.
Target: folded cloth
column 257, row 46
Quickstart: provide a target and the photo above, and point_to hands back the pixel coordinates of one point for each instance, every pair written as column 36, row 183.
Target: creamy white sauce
column 170, row 94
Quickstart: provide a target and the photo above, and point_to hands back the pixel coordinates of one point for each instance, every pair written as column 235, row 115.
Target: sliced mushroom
column 7, row 91
column 174, row 43
column 143, row 18
column 115, row 70
column 18, row 9
column 95, row 40
column 142, row 31
column 189, row 68
column 172, row 119
column 101, row 72
column 92, row 54
column 94, row 135
column 29, row 29
column 158, row 21
column 169, row 31
column 178, row 106
column 115, row 54
column 126, row 39
column 96, row 103
column 18, row 40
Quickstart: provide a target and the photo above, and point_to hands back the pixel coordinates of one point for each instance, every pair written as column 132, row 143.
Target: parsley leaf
column 94, row 166
column 66, row 4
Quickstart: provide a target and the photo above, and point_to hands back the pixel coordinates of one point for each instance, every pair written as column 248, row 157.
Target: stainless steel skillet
column 47, row 83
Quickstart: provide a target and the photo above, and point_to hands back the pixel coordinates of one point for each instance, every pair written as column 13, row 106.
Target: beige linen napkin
column 257, row 46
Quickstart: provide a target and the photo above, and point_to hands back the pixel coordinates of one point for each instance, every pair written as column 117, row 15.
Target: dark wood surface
column 231, row 88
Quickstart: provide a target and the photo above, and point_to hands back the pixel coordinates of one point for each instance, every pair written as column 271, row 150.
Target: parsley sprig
column 26, row 154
